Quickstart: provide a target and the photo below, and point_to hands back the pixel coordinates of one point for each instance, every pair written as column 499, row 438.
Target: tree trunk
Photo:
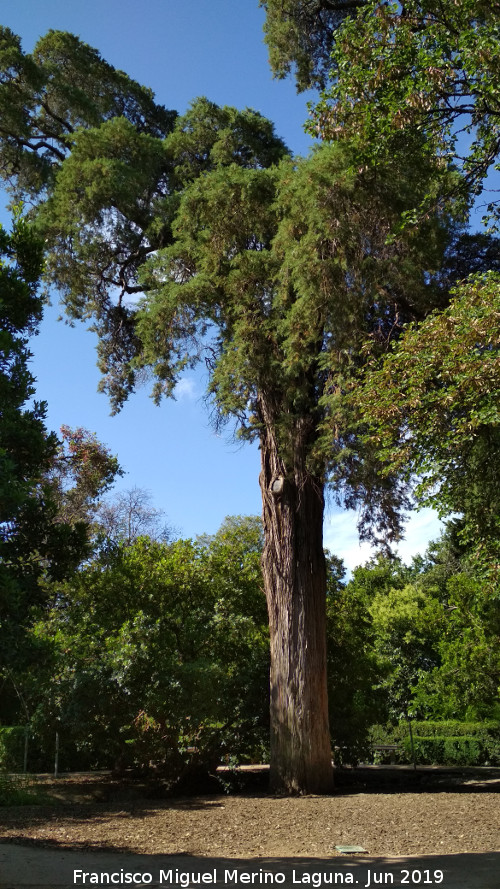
column 295, row 585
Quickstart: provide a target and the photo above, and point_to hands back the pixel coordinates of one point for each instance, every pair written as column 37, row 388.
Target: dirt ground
column 388, row 813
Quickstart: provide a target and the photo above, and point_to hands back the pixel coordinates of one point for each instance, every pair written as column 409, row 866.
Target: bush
column 19, row 790
column 160, row 650
column 445, row 750
column 453, row 728
column 12, row 748
column 442, row 743
column 350, row 741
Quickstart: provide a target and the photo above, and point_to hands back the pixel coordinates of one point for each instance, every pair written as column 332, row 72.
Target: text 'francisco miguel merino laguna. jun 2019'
column 363, row 877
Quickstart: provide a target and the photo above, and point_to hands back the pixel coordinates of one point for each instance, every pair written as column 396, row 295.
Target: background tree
column 433, row 631
column 407, row 624
column 130, row 515
column 82, row 471
column 32, row 543
column 398, row 69
column 300, row 35
column 432, row 410
column 157, row 657
column 354, row 673
column 465, row 681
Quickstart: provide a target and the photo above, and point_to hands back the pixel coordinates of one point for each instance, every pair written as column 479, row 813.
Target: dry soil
column 428, row 813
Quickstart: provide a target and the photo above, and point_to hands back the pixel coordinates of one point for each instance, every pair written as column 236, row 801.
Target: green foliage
column 355, row 701
column 47, row 98
column 379, row 575
column 25, row 446
column 446, row 742
column 160, row 654
column 489, row 728
column 457, row 751
column 435, row 631
column 12, row 748
column 467, row 681
column 407, row 626
column 233, row 555
column 300, row 36
column 209, row 137
column 19, row 790
column 417, row 68
column 432, row 410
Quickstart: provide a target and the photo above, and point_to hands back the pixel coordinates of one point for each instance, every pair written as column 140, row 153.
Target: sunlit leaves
column 433, row 406
column 162, row 647
column 300, row 35
column 420, row 68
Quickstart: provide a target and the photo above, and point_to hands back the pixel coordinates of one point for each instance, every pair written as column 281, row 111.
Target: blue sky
column 181, row 49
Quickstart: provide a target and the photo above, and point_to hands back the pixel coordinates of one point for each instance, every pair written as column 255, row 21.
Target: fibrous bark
column 295, row 584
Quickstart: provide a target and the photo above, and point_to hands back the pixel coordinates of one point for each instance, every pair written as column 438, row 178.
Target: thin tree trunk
column 295, row 584
column 56, row 758
column 411, row 742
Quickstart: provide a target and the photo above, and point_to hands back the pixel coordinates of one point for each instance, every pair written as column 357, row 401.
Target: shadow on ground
column 27, row 867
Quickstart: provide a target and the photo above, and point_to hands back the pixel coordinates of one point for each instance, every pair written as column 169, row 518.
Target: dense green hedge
column 12, row 748
column 462, row 750
column 452, row 728
column 441, row 743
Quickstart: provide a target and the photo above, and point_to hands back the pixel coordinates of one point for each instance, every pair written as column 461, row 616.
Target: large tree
column 277, row 273
column 400, row 71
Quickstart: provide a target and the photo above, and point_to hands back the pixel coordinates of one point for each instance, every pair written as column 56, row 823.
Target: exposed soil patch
column 387, row 812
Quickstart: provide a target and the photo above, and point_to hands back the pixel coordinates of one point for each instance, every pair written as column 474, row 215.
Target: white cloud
column 422, row 527
column 341, row 537
column 186, row 389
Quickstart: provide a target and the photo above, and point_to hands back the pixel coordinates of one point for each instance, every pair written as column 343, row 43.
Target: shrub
column 12, row 748
column 454, row 728
column 19, row 790
column 446, row 750
column 442, row 743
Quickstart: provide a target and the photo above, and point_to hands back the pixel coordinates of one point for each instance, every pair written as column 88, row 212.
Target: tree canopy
column 34, row 542
column 432, row 408
column 398, row 69
column 47, row 96
column 159, row 652
column 300, row 35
